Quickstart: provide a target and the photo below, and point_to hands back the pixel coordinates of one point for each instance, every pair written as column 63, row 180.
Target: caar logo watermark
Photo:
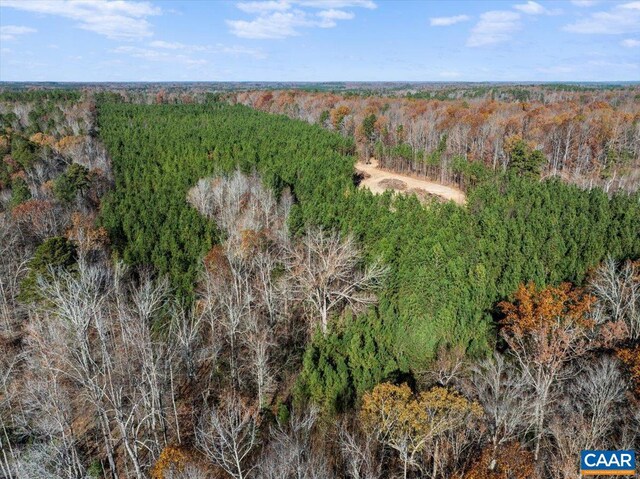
column 607, row 463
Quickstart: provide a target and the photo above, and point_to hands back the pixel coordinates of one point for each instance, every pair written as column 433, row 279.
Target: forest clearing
column 374, row 179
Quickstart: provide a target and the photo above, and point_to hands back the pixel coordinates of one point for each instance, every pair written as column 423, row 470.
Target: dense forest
column 195, row 289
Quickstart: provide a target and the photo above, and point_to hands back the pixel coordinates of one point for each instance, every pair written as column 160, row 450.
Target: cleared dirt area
column 393, row 184
column 378, row 180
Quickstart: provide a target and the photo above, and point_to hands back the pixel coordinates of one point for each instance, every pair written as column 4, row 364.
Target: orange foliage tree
column 171, row 460
column 39, row 217
column 630, row 357
column 178, row 462
column 42, row 139
column 85, row 234
column 338, row 114
column 545, row 329
column 66, row 143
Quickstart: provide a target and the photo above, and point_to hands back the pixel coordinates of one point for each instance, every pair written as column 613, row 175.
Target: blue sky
column 319, row 40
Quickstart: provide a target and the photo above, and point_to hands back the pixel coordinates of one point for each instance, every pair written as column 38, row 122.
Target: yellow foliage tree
column 410, row 423
column 171, row 459
column 68, row 142
column 42, row 139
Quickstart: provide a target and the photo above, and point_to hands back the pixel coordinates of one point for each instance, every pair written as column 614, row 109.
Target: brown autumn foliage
column 42, row 139
column 19, row 174
column 546, row 329
column 630, row 357
column 85, row 234
column 68, row 142
column 510, row 461
column 35, row 216
column 252, row 240
column 337, row 115
column 534, row 309
column 215, row 260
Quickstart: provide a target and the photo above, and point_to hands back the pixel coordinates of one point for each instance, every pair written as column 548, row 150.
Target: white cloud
column 584, row 3
column 534, row 8
column 329, row 17
column 336, row 3
column 283, row 5
column 168, row 45
column 274, row 25
column 334, row 14
column 630, row 43
column 285, row 18
column 531, row 8
column 494, row 27
column 146, row 53
column 121, row 19
column 16, row 30
column 621, row 19
column 176, row 46
column 10, row 32
column 263, row 7
column 156, row 55
column 447, row 21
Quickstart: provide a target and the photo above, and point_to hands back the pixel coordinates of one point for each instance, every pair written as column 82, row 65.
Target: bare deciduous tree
column 94, row 336
column 260, row 344
column 291, row 453
column 227, row 435
column 504, row 396
column 45, row 460
column 448, row 367
column 228, row 297
column 242, row 299
column 586, row 415
column 327, row 272
column 359, row 454
column 240, row 203
column 617, row 288
column 189, row 471
column 599, row 390
column 546, row 329
column 186, row 332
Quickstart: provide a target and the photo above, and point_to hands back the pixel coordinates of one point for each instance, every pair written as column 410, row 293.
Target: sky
column 319, row 40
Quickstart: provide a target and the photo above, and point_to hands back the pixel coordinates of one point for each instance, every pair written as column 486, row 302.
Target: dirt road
column 374, row 176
